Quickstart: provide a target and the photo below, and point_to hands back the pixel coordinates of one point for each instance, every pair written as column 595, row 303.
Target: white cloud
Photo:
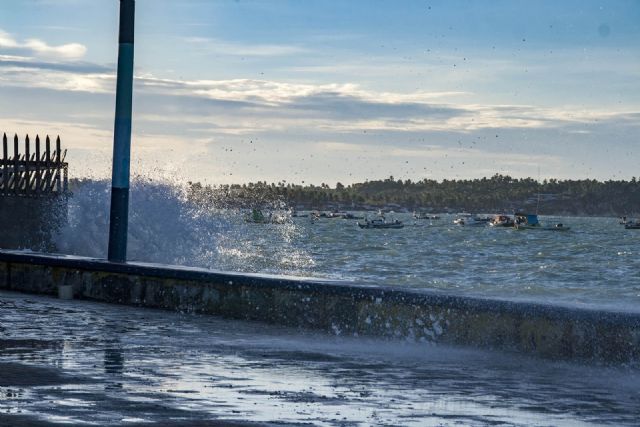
column 42, row 49
column 65, row 51
column 277, row 92
column 6, row 41
column 7, row 58
column 249, row 105
column 17, row 76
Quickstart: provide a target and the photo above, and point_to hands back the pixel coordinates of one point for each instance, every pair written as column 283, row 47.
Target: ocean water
column 595, row 264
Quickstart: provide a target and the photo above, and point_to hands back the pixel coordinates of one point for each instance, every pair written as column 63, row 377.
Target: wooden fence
column 37, row 173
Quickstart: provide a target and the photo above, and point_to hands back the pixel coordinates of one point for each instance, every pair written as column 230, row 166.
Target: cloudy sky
column 326, row 91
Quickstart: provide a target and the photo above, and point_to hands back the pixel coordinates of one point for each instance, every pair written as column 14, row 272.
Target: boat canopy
column 531, row 219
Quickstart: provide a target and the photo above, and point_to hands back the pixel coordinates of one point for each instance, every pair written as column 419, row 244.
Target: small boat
column 482, row 219
column 629, row 224
column 421, row 215
column 335, row 215
column 380, row 223
column 524, row 221
column 501, row 221
column 473, row 221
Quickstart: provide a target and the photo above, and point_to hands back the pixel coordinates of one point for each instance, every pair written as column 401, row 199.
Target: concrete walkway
column 95, row 364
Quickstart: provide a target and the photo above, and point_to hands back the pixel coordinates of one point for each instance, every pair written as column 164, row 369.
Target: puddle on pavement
column 81, row 362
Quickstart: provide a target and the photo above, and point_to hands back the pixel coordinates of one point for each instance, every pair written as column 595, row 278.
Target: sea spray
column 167, row 226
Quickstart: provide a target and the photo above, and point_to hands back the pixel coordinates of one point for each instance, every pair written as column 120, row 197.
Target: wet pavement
column 83, row 363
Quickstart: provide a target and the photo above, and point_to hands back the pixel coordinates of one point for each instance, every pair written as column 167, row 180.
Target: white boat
column 472, row 221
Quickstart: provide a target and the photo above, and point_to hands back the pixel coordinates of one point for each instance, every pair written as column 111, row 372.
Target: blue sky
column 326, row 91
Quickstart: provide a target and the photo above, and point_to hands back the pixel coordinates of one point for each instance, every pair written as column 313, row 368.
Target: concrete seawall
column 336, row 307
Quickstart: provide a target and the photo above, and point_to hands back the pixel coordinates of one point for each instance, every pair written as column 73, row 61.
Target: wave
column 166, row 226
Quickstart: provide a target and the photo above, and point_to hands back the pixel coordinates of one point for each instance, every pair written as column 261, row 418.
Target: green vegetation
column 496, row 194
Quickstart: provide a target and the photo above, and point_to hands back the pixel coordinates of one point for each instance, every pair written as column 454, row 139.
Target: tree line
column 499, row 193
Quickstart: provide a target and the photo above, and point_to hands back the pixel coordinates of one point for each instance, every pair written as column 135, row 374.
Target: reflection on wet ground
column 87, row 363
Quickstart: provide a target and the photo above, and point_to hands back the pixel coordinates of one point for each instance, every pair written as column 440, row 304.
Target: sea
column 596, row 263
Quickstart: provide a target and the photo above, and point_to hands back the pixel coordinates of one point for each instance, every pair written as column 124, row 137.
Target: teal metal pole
column 119, row 216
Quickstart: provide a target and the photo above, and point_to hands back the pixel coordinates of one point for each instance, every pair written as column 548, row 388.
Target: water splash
column 166, row 226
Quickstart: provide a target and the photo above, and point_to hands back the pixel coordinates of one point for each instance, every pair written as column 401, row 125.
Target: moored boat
column 501, row 221
column 422, row 215
column 380, row 223
column 473, row 221
column 524, row 221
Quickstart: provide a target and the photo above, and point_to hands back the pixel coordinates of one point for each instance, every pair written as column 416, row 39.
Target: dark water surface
column 86, row 363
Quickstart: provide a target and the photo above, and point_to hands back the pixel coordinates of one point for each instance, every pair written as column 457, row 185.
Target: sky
column 232, row 91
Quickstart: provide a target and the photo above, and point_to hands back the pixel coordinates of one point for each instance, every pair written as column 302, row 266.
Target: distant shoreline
column 498, row 194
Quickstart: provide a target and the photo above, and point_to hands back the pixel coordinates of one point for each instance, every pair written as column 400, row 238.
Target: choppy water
column 83, row 363
column 597, row 262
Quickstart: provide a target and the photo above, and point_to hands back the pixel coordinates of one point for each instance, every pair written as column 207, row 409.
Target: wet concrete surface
column 83, row 363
